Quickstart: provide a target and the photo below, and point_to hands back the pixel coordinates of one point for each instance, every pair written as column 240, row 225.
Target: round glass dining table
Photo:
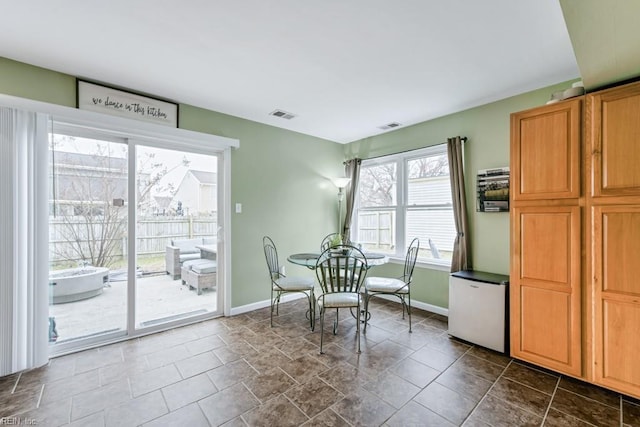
column 310, row 259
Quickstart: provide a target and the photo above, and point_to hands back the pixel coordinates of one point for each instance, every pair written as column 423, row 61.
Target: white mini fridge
column 478, row 308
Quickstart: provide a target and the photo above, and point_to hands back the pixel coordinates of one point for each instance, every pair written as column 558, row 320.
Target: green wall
column 487, row 128
column 282, row 179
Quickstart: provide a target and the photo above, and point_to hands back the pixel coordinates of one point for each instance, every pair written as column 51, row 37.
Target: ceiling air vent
column 282, row 114
column 390, row 126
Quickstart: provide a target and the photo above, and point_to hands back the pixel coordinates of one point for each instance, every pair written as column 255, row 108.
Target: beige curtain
column 461, row 258
column 351, row 170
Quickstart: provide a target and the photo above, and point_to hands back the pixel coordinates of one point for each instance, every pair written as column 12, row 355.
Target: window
column 403, row 196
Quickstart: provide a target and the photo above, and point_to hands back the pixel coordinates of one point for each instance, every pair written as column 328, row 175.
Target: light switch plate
column 238, row 207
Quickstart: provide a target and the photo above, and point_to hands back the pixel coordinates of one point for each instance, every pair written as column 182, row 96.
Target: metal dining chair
column 328, row 240
column 341, row 271
column 400, row 287
column 281, row 284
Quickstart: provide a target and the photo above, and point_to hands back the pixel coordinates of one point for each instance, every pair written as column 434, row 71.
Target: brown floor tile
column 361, row 408
column 298, row 346
column 585, row 409
column 304, row 368
column 314, row 396
column 392, row 389
column 521, row 395
column 269, row 384
column 490, row 356
column 631, row 413
column 93, row 359
column 463, row 382
column 96, row 400
column 327, row 418
column 54, row 414
column 67, row 387
column 434, row 358
column 198, row 364
column 202, row 345
column 236, row 351
column 190, row 415
column 480, row 367
column 499, row 413
column 227, row 404
column 532, row 377
column 268, row 359
column 240, row 371
column 556, row 418
column 345, row 378
column 231, row 373
column 276, row 412
column 448, row 345
column 591, row 391
column 13, row 403
column 154, row 379
column 447, row 403
column 95, row 420
column 417, row 415
column 415, row 372
column 167, row 356
column 188, row 391
column 137, row 411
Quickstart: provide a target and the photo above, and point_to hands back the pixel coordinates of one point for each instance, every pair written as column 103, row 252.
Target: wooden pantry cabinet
column 613, row 202
column 575, row 237
column 546, row 222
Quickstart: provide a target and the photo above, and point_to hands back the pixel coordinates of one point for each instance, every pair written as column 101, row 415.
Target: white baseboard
column 262, row 304
column 290, row 297
column 420, row 305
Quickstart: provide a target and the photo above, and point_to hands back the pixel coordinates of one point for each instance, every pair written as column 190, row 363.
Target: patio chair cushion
column 189, row 256
column 187, row 246
column 193, row 262
column 205, row 267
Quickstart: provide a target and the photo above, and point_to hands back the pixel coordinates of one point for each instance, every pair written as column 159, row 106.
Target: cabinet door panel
column 545, row 150
column 616, row 284
column 546, row 324
column 613, row 134
column 545, row 287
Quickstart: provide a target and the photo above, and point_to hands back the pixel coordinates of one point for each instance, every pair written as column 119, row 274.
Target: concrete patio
column 159, row 298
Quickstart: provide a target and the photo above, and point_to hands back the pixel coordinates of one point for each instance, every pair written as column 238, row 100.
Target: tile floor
column 239, row 371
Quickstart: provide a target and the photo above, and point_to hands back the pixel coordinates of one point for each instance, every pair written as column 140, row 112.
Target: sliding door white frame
column 162, row 137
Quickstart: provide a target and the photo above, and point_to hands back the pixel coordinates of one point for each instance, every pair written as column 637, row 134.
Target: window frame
column 401, row 207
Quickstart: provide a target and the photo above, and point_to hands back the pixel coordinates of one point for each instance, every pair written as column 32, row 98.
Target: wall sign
column 117, row 102
column 493, row 190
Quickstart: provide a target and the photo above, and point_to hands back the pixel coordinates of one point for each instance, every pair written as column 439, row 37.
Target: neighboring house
column 197, row 193
column 82, row 179
column 87, row 179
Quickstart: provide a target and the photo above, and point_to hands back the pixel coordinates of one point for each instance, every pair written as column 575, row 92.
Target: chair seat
column 293, row 283
column 385, row 284
column 340, row 299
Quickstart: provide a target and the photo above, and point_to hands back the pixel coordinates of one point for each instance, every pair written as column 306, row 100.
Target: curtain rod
column 462, row 138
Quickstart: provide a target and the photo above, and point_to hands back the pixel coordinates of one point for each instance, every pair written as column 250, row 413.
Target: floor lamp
column 341, row 183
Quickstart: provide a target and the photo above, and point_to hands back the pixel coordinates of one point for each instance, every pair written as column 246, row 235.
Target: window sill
column 424, row 264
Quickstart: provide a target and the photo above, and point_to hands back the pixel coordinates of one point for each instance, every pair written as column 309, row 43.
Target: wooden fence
column 153, row 235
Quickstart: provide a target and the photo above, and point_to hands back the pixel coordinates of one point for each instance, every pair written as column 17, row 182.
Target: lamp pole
column 341, row 183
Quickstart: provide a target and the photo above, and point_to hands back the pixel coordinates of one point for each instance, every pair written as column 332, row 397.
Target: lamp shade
column 341, row 182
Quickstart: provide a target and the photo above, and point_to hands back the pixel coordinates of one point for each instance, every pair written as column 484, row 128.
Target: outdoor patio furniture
column 181, row 250
column 199, row 274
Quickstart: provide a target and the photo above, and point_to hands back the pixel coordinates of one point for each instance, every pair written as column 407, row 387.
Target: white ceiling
column 344, row 67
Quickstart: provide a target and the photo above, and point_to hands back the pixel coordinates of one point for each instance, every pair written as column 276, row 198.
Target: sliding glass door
column 133, row 237
column 176, row 235
column 88, row 228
